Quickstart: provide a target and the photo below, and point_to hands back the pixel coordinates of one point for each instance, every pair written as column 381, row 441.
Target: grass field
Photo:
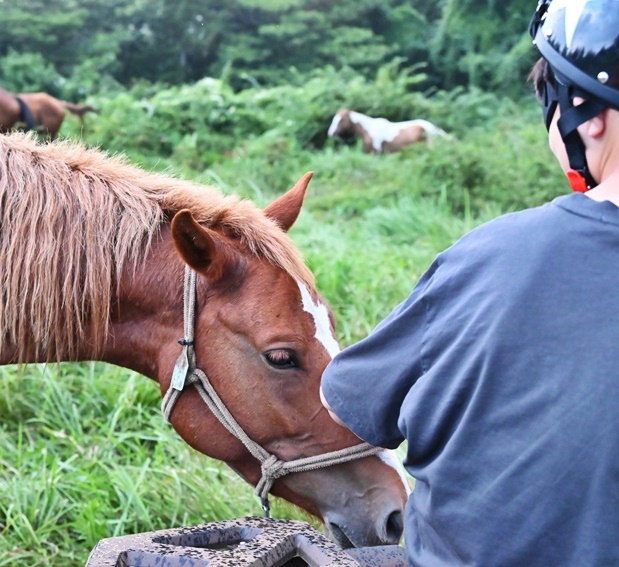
column 84, row 451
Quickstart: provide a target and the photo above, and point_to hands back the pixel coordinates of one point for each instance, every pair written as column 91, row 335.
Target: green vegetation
column 85, row 454
column 82, row 47
column 84, row 451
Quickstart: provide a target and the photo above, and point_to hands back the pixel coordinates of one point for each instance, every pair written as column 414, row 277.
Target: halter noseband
column 185, row 372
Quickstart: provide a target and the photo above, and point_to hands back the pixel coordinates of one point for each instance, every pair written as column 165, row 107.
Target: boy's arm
column 333, row 415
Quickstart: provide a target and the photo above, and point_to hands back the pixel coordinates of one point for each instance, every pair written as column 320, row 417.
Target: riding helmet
column 580, row 41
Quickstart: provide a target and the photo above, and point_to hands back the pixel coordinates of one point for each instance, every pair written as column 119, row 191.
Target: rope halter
column 186, row 373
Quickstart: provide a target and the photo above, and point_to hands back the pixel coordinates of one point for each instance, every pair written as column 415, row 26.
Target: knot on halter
column 193, row 377
column 272, row 469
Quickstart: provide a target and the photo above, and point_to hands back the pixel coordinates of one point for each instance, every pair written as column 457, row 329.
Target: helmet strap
column 571, row 118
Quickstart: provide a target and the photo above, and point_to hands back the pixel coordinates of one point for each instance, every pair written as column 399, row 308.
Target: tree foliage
column 90, row 45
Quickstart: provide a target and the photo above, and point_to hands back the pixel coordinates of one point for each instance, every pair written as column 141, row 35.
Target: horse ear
column 202, row 249
column 285, row 210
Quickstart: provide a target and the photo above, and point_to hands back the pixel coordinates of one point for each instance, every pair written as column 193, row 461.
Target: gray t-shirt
column 501, row 370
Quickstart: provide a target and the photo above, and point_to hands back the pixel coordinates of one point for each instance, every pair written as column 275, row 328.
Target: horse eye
column 281, row 358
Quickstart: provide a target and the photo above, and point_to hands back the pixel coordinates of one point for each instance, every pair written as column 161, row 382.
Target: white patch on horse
column 382, row 130
column 390, row 458
column 379, row 129
column 321, row 321
column 431, row 129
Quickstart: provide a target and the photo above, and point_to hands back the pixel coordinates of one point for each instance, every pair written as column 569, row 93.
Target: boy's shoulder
column 509, row 245
column 553, row 221
column 512, row 229
column 516, row 247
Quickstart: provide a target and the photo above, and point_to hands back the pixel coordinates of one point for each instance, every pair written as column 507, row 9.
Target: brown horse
column 47, row 112
column 93, row 252
column 380, row 135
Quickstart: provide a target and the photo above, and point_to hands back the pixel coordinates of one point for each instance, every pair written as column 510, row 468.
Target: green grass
column 85, row 454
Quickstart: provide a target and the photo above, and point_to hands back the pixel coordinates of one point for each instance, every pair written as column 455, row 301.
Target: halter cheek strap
column 572, row 117
column 186, row 373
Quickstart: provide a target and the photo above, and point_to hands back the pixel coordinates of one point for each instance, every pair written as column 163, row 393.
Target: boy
column 501, row 369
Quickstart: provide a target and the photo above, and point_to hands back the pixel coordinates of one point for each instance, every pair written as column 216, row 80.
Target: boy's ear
column 594, row 127
column 597, row 125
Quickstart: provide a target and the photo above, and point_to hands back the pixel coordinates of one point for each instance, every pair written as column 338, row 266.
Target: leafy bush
column 28, row 72
column 266, row 138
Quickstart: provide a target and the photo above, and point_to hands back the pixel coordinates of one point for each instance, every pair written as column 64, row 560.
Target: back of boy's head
column 579, row 44
column 580, row 41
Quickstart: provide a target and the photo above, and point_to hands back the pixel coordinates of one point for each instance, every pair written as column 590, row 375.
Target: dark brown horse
column 46, row 112
column 92, row 256
column 379, row 135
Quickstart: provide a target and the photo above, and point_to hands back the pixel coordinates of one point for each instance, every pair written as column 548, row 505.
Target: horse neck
column 361, row 122
column 147, row 320
column 362, row 126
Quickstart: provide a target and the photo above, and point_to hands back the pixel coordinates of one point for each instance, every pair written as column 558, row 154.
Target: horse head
column 341, row 125
column 263, row 336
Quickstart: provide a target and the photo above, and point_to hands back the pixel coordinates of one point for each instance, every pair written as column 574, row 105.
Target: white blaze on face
column 321, row 321
column 390, row 458
column 334, row 124
column 324, row 334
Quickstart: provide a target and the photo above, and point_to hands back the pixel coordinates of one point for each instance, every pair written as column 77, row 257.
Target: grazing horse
column 380, row 135
column 93, row 252
column 37, row 110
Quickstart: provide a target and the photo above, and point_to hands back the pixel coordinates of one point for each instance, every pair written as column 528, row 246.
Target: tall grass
column 85, row 454
column 84, row 451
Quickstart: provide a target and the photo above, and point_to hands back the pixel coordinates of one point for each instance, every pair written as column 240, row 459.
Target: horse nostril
column 394, row 526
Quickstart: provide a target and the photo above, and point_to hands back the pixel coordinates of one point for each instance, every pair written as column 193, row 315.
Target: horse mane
column 72, row 219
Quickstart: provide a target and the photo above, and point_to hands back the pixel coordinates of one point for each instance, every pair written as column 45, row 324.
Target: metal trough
column 243, row 542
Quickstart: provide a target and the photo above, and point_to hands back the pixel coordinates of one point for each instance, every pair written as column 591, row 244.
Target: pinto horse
column 380, row 135
column 93, row 252
column 37, row 110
